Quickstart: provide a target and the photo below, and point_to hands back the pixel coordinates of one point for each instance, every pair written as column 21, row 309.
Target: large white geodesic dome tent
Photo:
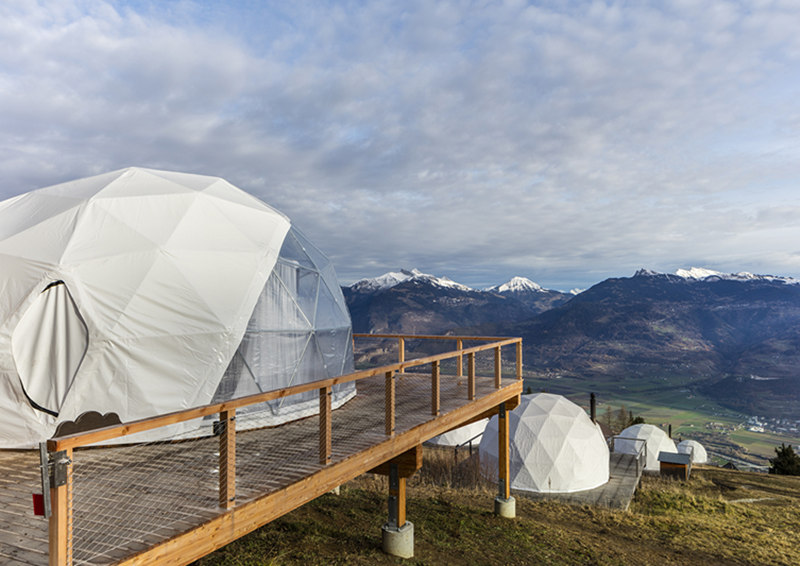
column 462, row 435
column 656, row 440
column 695, row 449
column 141, row 292
column 554, row 447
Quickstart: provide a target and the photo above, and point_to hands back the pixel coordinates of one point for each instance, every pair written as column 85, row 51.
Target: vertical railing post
column 401, row 352
column 227, row 459
column 325, row 395
column 389, row 402
column 60, row 527
column 497, row 368
column 471, row 376
column 519, row 359
column 435, row 388
column 460, row 359
column 504, row 475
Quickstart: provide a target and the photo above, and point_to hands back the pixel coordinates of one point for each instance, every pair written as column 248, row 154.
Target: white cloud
column 476, row 140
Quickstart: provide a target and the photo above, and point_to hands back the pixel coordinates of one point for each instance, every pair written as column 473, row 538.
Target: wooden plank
column 433, row 337
column 389, row 402
column 60, row 528
column 435, row 401
column 227, row 527
column 227, row 459
column 401, row 353
column 400, row 494
column 498, row 368
column 519, row 360
column 407, row 463
column 460, row 358
column 471, row 376
column 504, row 475
column 325, row 396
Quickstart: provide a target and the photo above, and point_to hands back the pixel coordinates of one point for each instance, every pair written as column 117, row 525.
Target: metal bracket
column 394, row 485
column 44, row 465
column 58, row 468
column 53, row 467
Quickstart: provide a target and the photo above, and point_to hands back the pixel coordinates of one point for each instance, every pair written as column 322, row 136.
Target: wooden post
column 460, row 359
column 389, row 402
column 435, row 388
column 471, row 376
column 498, row 372
column 325, row 395
column 504, row 473
column 401, row 352
column 397, row 497
column 519, row 359
column 60, row 527
column 227, row 459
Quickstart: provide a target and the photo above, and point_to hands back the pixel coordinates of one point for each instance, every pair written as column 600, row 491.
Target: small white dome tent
column 461, row 435
column 554, row 447
column 698, row 452
column 656, row 440
column 141, row 292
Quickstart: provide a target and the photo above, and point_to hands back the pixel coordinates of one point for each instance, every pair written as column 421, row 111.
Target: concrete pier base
column 506, row 508
column 399, row 541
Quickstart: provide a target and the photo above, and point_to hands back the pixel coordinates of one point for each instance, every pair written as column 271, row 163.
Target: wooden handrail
column 141, row 425
column 429, row 337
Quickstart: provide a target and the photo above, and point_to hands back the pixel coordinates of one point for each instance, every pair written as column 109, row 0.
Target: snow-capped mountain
column 394, row 278
column 516, row 285
column 702, row 274
column 414, row 302
column 705, row 274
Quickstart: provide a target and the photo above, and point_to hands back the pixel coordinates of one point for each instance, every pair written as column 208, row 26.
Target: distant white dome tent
column 141, row 292
column 697, row 451
column 554, row 447
column 656, row 440
column 462, row 435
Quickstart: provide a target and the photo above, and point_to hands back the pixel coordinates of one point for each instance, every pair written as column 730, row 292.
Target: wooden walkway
column 142, row 502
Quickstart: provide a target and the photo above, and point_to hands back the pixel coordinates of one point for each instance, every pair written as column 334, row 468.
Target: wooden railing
column 60, row 527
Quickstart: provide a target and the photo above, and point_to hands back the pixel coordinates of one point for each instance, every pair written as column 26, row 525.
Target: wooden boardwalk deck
column 144, row 502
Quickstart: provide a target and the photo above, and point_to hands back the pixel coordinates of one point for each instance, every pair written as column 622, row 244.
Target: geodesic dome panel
column 130, row 292
column 461, row 435
column 554, row 447
column 655, row 440
column 299, row 332
column 697, row 451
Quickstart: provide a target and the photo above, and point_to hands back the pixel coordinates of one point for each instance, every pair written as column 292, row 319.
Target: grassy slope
column 670, row 522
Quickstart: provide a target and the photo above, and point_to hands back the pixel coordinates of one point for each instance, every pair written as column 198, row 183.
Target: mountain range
column 732, row 337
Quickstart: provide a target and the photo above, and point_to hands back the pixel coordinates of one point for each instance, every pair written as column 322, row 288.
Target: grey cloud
column 476, row 140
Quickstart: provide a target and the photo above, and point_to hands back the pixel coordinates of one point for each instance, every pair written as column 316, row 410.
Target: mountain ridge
column 716, row 334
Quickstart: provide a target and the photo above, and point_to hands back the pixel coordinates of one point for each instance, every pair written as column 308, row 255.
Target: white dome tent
column 142, row 292
column 461, row 435
column 697, row 451
column 656, row 440
column 554, row 447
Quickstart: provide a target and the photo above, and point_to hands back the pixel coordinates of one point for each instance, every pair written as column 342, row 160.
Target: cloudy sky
column 476, row 140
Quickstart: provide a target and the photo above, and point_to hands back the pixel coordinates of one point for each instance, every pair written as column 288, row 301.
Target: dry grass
column 718, row 517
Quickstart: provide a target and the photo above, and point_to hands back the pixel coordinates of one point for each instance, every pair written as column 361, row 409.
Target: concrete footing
column 506, row 508
column 399, row 541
